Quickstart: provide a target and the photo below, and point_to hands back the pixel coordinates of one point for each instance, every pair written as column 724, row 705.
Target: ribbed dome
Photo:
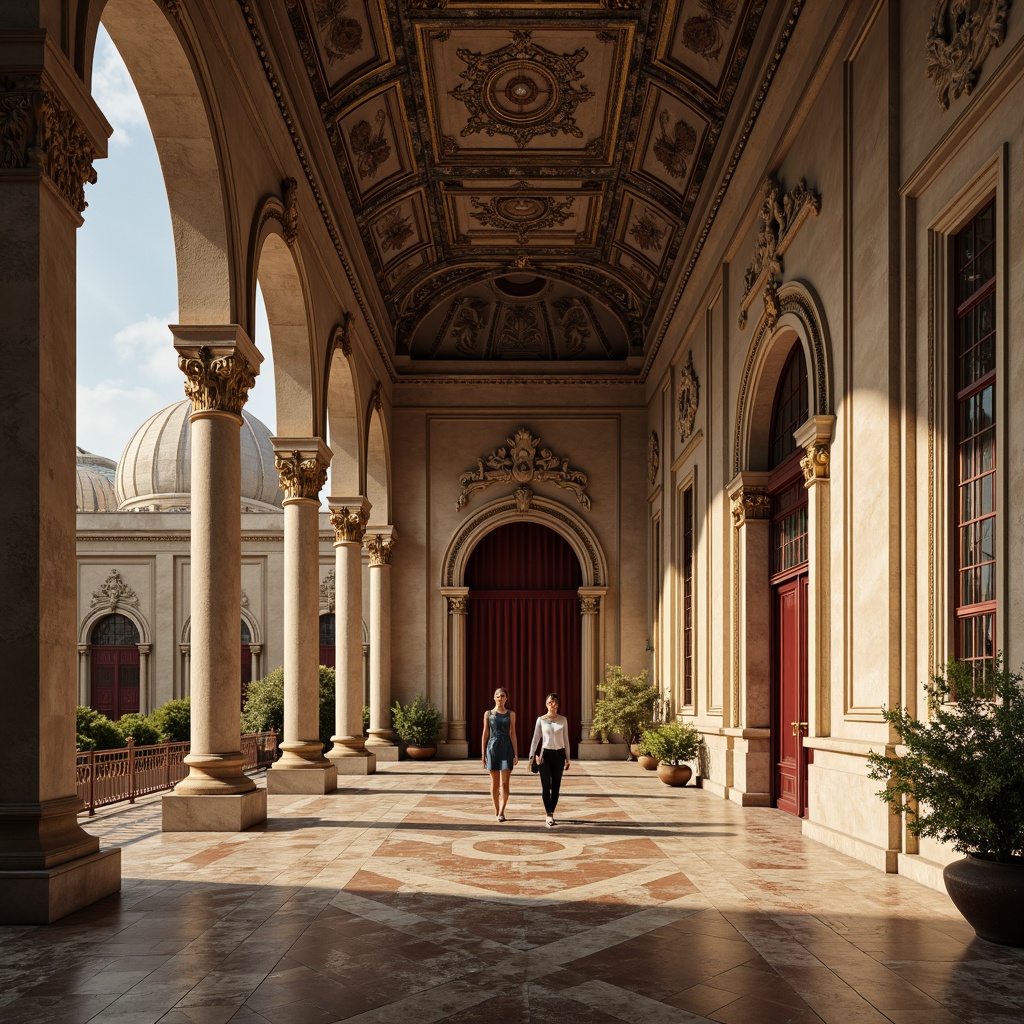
column 94, row 491
column 156, row 468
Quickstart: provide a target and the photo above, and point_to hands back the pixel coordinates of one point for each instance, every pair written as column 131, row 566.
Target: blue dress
column 499, row 743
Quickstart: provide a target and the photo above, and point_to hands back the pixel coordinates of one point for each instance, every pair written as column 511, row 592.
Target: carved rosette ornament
column 962, row 34
column 781, row 214
column 37, row 130
column 522, row 463
column 302, row 476
column 215, row 382
column 327, row 591
column 380, row 547
column 751, row 504
column 815, row 462
column 687, row 399
column 113, row 592
column 349, row 524
column 653, row 457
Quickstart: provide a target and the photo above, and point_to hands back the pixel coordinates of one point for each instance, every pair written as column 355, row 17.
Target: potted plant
column 673, row 744
column 959, row 778
column 644, row 756
column 418, row 726
column 626, row 705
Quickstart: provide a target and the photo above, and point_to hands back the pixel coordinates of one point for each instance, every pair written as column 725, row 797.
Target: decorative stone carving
column 468, row 323
column 815, row 462
column 458, row 604
column 962, row 34
column 341, row 36
column 214, row 382
column 573, row 323
column 522, row 214
column 290, row 195
column 521, row 90
column 349, row 523
column 687, row 399
column 521, row 462
column 113, row 592
column 343, row 335
column 37, row 130
column 653, row 457
column 369, row 149
column 377, row 398
column 751, row 504
column 524, row 498
column 302, row 475
column 245, row 599
column 781, row 215
column 328, row 589
column 702, row 33
column 380, row 546
column 590, row 605
column 674, row 144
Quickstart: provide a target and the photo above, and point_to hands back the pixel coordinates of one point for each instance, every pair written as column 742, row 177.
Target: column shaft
column 380, row 738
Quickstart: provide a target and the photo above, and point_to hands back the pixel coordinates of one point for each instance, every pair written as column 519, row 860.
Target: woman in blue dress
column 499, row 746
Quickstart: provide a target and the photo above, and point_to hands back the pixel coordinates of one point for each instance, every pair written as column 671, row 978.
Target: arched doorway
column 523, row 627
column 114, row 682
column 788, row 580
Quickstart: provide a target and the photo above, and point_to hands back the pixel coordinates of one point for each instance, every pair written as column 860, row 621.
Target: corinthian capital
column 380, row 547
column 815, row 437
column 220, row 364
column 302, row 465
column 751, row 504
column 349, row 522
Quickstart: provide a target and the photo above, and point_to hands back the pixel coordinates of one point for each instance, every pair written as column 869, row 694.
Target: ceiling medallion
column 521, row 463
column 522, row 214
column 521, row 90
column 962, row 34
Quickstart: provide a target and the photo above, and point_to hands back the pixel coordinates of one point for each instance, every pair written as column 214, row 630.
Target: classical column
column 84, row 683
column 349, row 517
column 590, row 666
column 749, row 704
column 302, row 768
column 145, row 696
column 257, row 660
column 50, row 134
column 456, row 599
column 220, row 365
column 380, row 544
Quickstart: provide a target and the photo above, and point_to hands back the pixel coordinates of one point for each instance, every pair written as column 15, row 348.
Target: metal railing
column 109, row 776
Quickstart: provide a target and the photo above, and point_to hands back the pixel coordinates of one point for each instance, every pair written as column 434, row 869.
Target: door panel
column 790, row 685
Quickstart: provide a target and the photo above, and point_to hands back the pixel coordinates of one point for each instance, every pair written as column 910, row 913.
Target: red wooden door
column 327, row 640
column 790, row 687
column 115, row 680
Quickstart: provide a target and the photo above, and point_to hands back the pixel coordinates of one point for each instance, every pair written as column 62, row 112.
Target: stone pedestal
column 184, row 813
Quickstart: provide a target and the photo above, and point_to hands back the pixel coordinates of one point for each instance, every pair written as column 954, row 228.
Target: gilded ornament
column 218, row 383
column 458, row 604
column 653, row 457
column 380, row 547
column 301, row 477
column 349, row 523
column 590, row 605
column 687, row 399
column 522, row 463
column 751, row 504
column 962, row 34
column 815, row 462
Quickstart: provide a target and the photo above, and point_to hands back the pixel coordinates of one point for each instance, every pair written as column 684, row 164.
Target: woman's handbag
column 534, row 767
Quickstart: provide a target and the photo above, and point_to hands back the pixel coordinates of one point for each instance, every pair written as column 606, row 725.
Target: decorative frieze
column 962, row 34
column 380, row 547
column 216, row 381
column 303, row 474
column 38, row 130
column 687, row 399
column 781, row 214
column 521, row 462
column 113, row 592
column 751, row 503
column 349, row 523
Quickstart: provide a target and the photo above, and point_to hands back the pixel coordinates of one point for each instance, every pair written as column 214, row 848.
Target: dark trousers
column 551, row 768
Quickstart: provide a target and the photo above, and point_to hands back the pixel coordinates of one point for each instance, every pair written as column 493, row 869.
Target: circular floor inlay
column 515, row 849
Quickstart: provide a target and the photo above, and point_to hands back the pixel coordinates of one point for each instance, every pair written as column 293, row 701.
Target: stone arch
column 94, row 615
column 800, row 319
column 255, row 632
column 167, row 74
column 276, row 265
column 377, row 487
column 341, row 401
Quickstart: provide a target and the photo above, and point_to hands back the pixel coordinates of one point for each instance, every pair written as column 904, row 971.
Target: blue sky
column 127, row 288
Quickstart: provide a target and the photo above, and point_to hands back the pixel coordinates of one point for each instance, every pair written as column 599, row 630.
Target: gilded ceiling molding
column 522, row 463
column 962, row 34
column 216, row 382
column 349, row 522
column 687, row 399
column 653, row 457
column 114, row 592
column 380, row 546
column 303, row 472
column 750, row 503
column 781, row 215
column 328, row 589
column 38, row 131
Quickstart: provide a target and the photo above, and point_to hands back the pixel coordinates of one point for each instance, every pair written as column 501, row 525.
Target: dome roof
column 94, row 490
column 97, row 462
column 155, row 470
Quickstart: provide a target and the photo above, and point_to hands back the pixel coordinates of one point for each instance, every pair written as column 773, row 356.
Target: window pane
column 987, row 503
column 987, row 585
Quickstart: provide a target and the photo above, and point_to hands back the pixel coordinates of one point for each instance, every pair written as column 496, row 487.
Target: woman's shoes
column 501, row 817
column 551, row 821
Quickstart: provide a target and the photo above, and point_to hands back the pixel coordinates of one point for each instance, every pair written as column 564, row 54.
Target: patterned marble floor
column 400, row 899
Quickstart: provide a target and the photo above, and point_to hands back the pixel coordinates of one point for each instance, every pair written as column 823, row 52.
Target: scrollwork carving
column 962, row 34
column 302, row 475
column 113, row 592
column 349, row 524
column 751, row 504
column 216, row 382
column 815, row 462
column 687, row 399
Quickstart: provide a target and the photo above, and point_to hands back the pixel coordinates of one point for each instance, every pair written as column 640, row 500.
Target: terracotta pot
column 990, row 895
column 421, row 753
column 674, row 774
column 648, row 762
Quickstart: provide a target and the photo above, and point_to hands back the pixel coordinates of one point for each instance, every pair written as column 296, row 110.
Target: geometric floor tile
column 400, row 899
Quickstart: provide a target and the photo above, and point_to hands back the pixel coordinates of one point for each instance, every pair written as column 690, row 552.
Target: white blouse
column 553, row 731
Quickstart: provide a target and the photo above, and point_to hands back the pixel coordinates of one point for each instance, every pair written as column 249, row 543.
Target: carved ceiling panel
column 523, row 172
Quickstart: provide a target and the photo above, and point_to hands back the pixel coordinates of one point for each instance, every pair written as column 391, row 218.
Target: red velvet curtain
column 523, row 628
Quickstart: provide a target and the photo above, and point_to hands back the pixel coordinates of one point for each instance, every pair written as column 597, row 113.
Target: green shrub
column 366, row 720
column 98, row 731
column 417, row 724
column 140, row 728
column 671, row 743
column 173, row 721
column 626, row 704
column 264, row 704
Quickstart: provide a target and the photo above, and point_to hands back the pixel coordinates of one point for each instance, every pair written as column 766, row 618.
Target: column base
column 311, row 781
column 41, row 897
column 353, row 762
column 453, row 750
column 747, row 799
column 594, row 750
column 232, row 812
column 381, row 745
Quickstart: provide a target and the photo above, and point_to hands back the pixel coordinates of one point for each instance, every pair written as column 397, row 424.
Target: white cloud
column 114, row 91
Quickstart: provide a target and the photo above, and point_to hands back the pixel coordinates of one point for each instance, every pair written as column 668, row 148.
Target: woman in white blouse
column 551, row 735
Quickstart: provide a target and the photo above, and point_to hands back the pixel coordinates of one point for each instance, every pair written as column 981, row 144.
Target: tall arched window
column 327, row 627
column 114, row 661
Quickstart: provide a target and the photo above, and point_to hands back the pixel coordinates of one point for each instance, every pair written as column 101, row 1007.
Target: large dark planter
column 990, row 895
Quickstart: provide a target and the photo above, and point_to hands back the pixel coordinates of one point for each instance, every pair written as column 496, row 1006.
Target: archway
column 114, row 667
column 522, row 627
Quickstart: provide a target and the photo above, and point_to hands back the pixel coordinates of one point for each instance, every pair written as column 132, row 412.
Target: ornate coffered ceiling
column 523, row 173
